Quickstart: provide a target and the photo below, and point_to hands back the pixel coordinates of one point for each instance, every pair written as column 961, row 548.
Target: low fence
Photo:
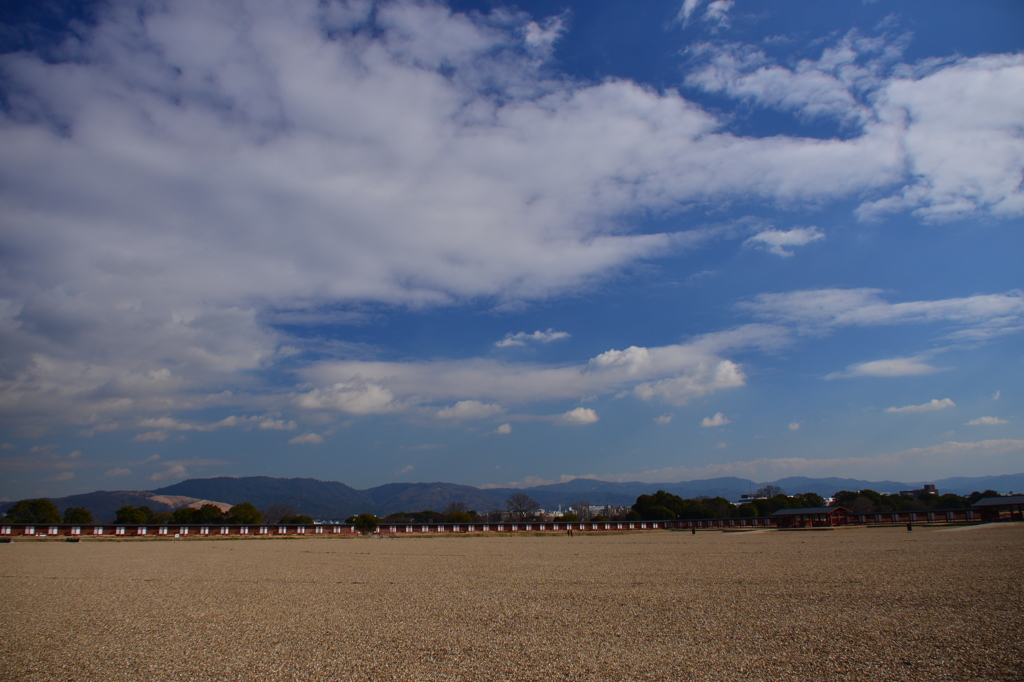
column 174, row 530
column 940, row 516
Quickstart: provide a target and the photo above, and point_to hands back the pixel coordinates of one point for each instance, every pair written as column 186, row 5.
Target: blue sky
column 508, row 245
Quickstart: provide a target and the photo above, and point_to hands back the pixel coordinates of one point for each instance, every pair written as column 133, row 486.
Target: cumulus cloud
column 956, row 120
column 469, row 409
column 520, row 338
column 718, row 420
column 663, row 419
column 894, row 367
column 987, row 421
column 352, row 397
column 504, row 429
column 577, row 417
column 794, row 426
column 778, row 239
column 307, row 438
column 930, row 406
column 674, row 374
column 320, row 155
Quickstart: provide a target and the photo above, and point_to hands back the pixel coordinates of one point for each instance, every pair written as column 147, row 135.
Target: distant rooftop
column 997, row 501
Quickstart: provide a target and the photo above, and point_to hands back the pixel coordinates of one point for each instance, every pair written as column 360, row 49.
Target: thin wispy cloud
column 777, row 240
column 522, row 338
column 932, row 405
column 987, row 421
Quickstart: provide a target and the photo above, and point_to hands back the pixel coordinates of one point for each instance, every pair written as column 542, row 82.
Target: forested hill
column 329, row 499
column 334, row 500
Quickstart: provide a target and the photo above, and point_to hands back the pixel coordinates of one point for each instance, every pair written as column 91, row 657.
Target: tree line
column 661, row 506
column 865, row 501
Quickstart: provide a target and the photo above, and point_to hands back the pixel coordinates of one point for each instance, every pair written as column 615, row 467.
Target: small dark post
column 910, row 527
column 693, row 530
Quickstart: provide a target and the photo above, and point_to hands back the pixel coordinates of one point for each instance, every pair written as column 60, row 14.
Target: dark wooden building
column 811, row 517
column 1006, row 508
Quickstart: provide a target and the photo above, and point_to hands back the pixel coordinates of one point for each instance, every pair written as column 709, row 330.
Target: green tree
column 33, row 511
column 245, row 513
column 299, row 519
column 209, row 513
column 130, row 514
column 748, row 510
column 659, row 512
column 975, row 496
column 365, row 523
column 77, row 515
column 184, row 515
column 568, row 517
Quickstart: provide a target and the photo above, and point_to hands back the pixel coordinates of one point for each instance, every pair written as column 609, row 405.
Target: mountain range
column 335, row 500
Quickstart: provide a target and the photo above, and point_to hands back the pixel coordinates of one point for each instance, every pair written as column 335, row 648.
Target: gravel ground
column 851, row 604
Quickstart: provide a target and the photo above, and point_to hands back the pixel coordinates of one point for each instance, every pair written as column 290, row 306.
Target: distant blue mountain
column 334, row 500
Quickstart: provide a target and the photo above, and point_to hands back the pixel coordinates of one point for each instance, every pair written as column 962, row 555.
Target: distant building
column 928, row 489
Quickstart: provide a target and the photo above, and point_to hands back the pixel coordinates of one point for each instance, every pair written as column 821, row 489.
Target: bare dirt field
column 851, row 604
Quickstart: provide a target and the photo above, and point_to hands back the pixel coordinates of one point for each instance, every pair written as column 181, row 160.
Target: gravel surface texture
column 851, row 604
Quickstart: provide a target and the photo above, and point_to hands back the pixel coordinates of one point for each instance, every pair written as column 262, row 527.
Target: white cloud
column 997, row 395
column 151, row 435
column 937, row 461
column 411, row 155
column 99, row 428
column 469, row 409
column 957, row 121
column 987, row 421
column 520, row 338
column 794, row 426
column 406, row 469
column 674, row 374
column 930, row 406
column 717, row 13
column 777, row 239
column 718, row 420
column 352, row 397
column 961, row 126
column 118, row 472
column 577, row 417
column 894, row 367
column 663, row 419
column 686, row 10
column 173, row 471
column 504, row 429
column 171, row 424
column 979, row 316
column 277, row 425
column 310, row 438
